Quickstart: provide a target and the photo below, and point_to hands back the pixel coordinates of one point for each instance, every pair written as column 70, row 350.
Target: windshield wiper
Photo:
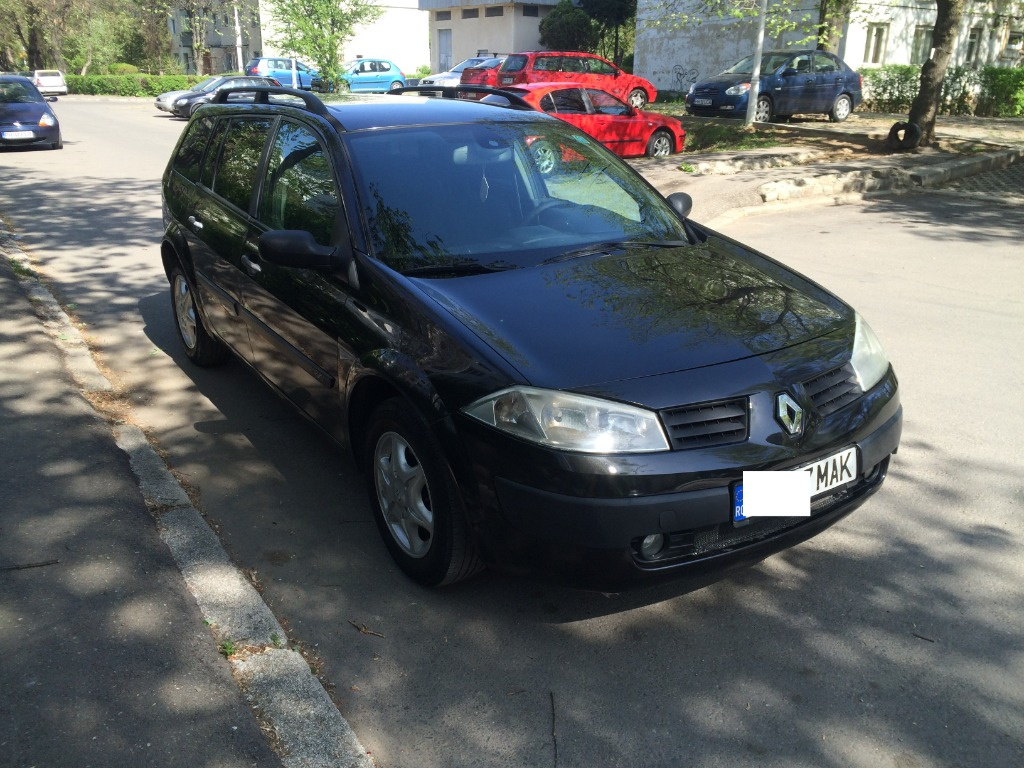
column 456, row 270
column 611, row 246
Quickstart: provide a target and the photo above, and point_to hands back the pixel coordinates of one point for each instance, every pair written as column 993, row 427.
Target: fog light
column 652, row 545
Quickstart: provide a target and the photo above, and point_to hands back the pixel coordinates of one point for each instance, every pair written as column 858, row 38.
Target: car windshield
column 205, row 85
column 463, row 198
column 18, row 93
column 769, row 63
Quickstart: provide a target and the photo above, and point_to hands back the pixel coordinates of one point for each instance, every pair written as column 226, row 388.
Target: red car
column 626, row 131
column 484, row 73
column 575, row 67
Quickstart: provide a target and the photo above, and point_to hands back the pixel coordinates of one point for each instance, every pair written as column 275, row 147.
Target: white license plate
column 18, row 134
column 702, row 102
column 507, row 80
column 823, row 476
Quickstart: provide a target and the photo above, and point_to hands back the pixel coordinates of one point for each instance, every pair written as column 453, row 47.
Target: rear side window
column 514, row 64
column 189, row 157
column 599, row 67
column 239, row 160
column 299, row 190
column 570, row 101
column 548, row 64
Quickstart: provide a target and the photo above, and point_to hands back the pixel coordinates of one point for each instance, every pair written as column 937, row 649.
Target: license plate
column 702, row 102
column 507, row 80
column 17, row 134
column 823, row 476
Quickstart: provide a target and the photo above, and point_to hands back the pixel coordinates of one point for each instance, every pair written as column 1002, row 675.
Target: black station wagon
column 555, row 372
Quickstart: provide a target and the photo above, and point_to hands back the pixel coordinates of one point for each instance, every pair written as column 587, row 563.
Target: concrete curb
column 308, row 729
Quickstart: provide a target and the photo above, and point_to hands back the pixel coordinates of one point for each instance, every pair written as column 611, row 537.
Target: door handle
column 251, row 266
column 195, row 223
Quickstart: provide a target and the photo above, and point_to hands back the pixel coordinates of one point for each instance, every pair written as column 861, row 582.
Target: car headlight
column 737, row 90
column 47, row 120
column 181, row 102
column 693, row 87
column 571, row 422
column 869, row 360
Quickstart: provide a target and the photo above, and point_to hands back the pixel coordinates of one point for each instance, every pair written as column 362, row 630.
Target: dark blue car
column 792, row 82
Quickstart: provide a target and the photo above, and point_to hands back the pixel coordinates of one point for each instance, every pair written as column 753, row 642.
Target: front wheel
column 200, row 347
column 841, row 109
column 544, row 156
column 414, row 499
column 637, row 98
column 763, row 110
column 660, row 145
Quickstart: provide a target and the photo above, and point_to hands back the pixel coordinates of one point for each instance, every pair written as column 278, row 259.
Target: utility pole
column 755, row 76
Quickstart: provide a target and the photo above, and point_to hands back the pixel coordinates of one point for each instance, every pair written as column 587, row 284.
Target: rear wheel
column 841, row 109
column 637, row 98
column 395, row 85
column 763, row 111
column 660, row 144
column 415, row 502
column 200, row 347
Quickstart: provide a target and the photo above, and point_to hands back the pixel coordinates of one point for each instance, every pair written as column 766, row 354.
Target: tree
column 318, row 29
column 944, row 35
column 611, row 15
column 568, row 28
column 199, row 16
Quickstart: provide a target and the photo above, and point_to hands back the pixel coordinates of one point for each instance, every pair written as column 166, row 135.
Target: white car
column 454, row 75
column 165, row 101
column 48, row 81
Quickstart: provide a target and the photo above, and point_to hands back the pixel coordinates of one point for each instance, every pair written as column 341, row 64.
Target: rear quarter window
column 189, row 158
column 239, row 160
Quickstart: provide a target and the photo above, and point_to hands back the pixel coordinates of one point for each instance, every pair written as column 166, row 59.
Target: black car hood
column 601, row 319
column 23, row 113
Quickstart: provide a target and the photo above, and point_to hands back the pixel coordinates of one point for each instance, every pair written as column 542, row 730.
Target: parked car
column 50, row 82
column 287, row 71
column 453, row 76
column 484, row 73
column 560, row 372
column 626, row 131
column 26, row 119
column 585, row 68
column 165, row 101
column 187, row 103
column 365, row 76
column 791, row 82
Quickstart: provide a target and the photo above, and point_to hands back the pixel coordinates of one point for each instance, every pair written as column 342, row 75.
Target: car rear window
column 514, row 63
column 48, row 73
column 189, row 157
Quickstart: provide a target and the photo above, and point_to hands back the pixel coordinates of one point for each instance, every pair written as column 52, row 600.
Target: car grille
column 707, row 90
column 707, row 424
column 832, row 390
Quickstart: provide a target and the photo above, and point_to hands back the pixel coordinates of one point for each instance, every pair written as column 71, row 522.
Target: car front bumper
column 583, row 517
column 40, row 136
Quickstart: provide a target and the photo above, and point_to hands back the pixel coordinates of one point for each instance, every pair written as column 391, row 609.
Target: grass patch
column 728, row 137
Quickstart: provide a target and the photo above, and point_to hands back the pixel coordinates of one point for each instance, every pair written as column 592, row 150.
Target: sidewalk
column 115, row 595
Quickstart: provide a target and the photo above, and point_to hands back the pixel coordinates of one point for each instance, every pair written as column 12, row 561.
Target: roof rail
column 511, row 100
column 262, row 94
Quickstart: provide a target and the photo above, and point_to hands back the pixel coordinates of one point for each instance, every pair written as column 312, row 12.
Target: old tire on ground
column 903, row 136
column 200, row 347
column 415, row 502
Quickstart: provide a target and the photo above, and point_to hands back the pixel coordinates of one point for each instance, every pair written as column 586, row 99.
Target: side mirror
column 295, row 249
column 681, row 203
column 789, row 72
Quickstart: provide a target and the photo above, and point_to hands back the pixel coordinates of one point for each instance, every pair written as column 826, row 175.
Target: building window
column 494, row 10
column 443, row 16
column 1014, row 45
column 922, row 50
column 531, row 10
column 471, row 13
column 874, row 50
column 973, row 47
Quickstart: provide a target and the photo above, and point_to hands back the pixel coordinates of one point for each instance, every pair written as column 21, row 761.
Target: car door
column 621, row 130
column 294, row 313
column 219, row 222
column 829, row 77
column 795, row 88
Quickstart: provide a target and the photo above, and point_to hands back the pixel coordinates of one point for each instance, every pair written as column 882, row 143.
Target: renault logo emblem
column 789, row 414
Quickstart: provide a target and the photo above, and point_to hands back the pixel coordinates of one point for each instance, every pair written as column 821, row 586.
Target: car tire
column 841, row 109
column 545, row 156
column 415, row 502
column 661, row 144
column 395, row 86
column 903, row 136
column 58, row 144
column 200, row 347
column 637, row 98
column 763, row 110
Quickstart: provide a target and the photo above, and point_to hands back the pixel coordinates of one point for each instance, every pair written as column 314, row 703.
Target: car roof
column 15, row 79
column 404, row 111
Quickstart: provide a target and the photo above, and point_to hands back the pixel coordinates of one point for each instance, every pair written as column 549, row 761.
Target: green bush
column 123, row 69
column 129, row 85
column 1002, row 92
column 989, row 92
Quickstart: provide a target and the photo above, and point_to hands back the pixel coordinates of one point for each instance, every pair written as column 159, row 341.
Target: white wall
column 401, row 35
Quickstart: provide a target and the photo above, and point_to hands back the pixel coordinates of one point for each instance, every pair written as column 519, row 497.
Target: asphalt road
column 891, row 640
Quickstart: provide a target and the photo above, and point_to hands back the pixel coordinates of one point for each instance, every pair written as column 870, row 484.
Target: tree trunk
column 926, row 104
